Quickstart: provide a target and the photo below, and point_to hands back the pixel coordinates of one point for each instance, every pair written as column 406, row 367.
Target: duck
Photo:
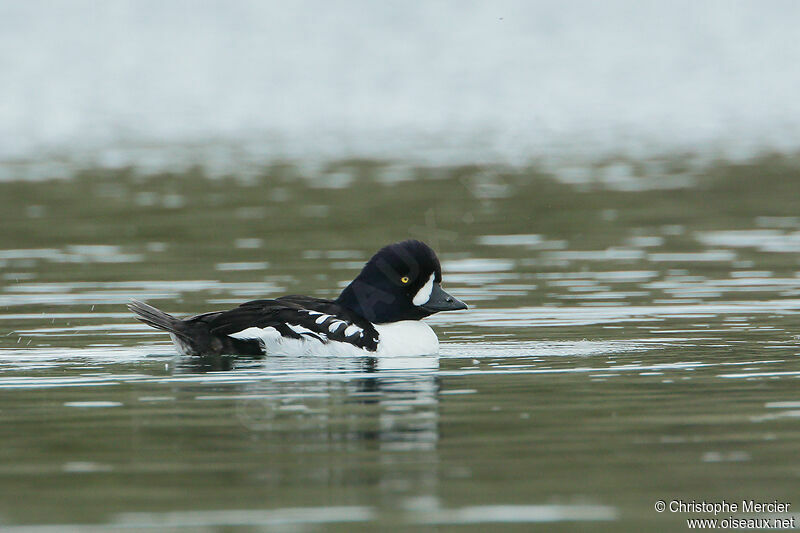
column 380, row 313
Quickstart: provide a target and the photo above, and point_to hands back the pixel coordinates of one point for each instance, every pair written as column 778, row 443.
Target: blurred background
column 611, row 186
column 232, row 85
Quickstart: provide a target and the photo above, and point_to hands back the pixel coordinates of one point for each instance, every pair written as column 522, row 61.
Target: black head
column 401, row 282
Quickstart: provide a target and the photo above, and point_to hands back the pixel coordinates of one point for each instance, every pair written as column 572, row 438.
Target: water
column 624, row 345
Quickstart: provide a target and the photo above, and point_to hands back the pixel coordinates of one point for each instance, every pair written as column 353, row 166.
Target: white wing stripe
column 300, row 330
column 336, row 325
column 352, row 329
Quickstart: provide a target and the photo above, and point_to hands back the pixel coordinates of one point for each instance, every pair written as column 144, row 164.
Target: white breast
column 406, row 338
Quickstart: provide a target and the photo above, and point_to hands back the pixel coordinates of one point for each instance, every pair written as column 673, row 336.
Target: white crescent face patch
column 424, row 294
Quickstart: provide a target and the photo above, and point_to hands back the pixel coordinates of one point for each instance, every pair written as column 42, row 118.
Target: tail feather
column 192, row 336
column 155, row 317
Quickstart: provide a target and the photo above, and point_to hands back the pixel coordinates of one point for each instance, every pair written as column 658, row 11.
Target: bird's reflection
column 342, row 411
column 212, row 363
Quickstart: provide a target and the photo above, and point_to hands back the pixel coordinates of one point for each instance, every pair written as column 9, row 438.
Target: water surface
column 625, row 344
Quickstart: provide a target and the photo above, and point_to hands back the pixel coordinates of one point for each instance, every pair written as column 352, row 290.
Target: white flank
column 322, row 318
column 255, row 333
column 273, row 343
column 395, row 339
column 424, row 294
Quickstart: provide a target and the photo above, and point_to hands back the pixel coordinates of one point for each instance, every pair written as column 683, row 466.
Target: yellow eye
column 404, row 279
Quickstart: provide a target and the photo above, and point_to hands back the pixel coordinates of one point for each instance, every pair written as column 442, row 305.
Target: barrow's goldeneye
column 378, row 313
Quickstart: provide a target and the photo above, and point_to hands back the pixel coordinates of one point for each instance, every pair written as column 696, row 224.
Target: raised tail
column 155, row 317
